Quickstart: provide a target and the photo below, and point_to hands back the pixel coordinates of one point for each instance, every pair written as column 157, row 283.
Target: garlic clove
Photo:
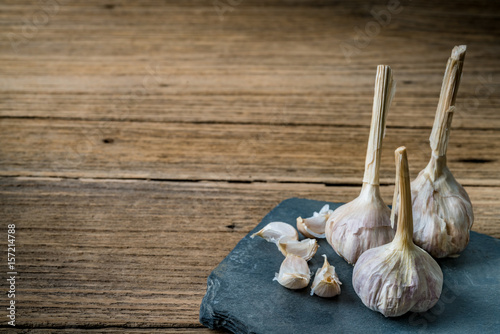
column 365, row 223
column 324, row 210
column 443, row 214
column 314, row 227
column 305, row 248
column 398, row 277
column 326, row 282
column 276, row 231
column 294, row 273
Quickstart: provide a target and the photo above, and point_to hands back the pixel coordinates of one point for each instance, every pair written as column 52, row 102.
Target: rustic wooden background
column 140, row 140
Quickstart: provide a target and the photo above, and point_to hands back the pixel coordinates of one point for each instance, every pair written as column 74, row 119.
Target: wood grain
column 137, row 254
column 143, row 150
column 262, row 63
column 140, row 140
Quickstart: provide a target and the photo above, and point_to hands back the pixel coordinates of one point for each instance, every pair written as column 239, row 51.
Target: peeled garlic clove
column 305, row 248
column 398, row 277
column 443, row 214
column 365, row 223
column 294, row 273
column 314, row 227
column 326, row 282
column 276, row 231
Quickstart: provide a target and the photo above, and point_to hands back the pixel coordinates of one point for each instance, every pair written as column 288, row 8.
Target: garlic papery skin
column 398, row 277
column 442, row 210
column 276, row 231
column 314, row 227
column 326, row 282
column 365, row 223
column 305, row 248
column 359, row 225
column 294, row 273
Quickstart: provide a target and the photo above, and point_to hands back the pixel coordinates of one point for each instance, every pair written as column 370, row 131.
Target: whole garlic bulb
column 441, row 207
column 294, row 273
column 365, row 223
column 326, row 282
column 398, row 277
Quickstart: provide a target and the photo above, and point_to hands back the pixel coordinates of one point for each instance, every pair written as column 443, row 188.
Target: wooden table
column 140, row 140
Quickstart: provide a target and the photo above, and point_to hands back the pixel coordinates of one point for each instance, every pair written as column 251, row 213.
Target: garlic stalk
column 314, row 227
column 398, row 277
column 305, row 248
column 294, row 273
column 442, row 209
column 326, row 282
column 364, row 223
column 276, row 231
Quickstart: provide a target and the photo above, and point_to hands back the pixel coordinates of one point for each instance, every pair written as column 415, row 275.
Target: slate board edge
column 208, row 316
column 220, row 321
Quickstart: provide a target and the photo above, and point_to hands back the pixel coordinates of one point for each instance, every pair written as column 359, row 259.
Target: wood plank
column 135, row 253
column 323, row 154
column 113, row 88
column 266, row 63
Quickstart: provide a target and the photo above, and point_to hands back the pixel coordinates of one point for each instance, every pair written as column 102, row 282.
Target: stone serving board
column 242, row 297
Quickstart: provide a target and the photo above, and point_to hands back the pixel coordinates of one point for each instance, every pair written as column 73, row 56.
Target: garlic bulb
column 326, row 282
column 276, row 231
column 441, row 207
column 294, row 273
column 305, row 248
column 314, row 227
column 398, row 277
column 364, row 223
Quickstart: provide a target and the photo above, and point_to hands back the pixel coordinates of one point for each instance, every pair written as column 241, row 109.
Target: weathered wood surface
column 264, row 62
column 124, row 126
column 172, row 151
column 97, row 253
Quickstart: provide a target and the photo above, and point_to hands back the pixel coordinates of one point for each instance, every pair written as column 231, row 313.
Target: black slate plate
column 243, row 298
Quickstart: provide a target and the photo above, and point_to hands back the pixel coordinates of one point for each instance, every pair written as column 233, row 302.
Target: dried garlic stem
column 364, row 222
column 385, row 87
column 395, row 198
column 443, row 214
column 449, row 89
column 404, row 232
